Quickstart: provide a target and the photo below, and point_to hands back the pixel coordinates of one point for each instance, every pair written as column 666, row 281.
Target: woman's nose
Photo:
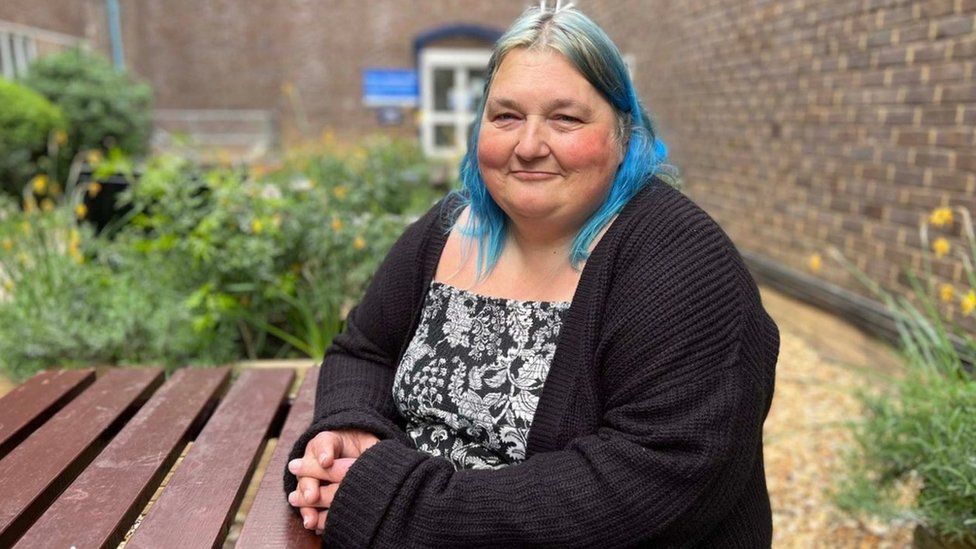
column 533, row 141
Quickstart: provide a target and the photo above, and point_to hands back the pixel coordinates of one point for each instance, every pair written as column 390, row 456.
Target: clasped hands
column 327, row 458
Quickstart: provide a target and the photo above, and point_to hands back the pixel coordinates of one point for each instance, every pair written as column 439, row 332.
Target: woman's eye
column 505, row 116
column 567, row 118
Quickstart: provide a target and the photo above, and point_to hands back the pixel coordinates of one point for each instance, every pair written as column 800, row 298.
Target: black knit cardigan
column 649, row 428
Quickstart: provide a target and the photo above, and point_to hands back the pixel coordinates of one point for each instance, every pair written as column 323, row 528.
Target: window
column 16, row 52
column 452, row 82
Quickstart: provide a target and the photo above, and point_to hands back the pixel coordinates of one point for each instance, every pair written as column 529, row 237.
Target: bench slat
column 198, row 504
column 271, row 522
column 28, row 406
column 97, row 509
column 35, row 472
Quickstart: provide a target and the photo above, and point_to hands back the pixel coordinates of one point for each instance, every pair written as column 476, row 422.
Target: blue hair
column 588, row 49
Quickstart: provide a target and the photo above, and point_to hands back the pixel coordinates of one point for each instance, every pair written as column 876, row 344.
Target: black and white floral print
column 470, row 380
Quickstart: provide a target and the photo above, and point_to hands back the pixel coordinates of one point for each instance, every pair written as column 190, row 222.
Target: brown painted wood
column 35, row 472
column 199, row 502
column 28, row 406
column 270, row 522
column 97, row 509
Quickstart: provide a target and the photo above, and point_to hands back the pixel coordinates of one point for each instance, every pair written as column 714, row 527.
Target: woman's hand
column 327, row 458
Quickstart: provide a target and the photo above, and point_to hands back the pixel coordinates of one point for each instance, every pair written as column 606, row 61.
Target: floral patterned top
column 472, row 375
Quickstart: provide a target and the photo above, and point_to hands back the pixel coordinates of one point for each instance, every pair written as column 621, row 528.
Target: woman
column 566, row 353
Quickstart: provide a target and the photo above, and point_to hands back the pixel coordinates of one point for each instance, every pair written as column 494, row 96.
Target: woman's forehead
column 544, row 76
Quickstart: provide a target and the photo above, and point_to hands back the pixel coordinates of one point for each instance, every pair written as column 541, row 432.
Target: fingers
column 320, row 525
column 322, row 499
column 310, row 516
column 325, row 447
column 305, row 467
column 308, row 487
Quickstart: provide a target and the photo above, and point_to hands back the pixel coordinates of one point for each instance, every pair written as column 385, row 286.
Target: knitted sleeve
column 355, row 381
column 679, row 438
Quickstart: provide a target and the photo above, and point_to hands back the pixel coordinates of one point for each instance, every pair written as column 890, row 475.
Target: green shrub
column 210, row 265
column 27, row 121
column 915, row 453
column 61, row 308
column 285, row 255
column 104, row 108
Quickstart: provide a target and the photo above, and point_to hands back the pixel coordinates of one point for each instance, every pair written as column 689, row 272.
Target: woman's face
column 546, row 148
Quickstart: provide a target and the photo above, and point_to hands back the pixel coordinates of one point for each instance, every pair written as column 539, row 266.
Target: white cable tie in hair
column 542, row 5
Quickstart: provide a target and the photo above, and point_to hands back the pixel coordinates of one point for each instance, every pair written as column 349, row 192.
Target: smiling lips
column 532, row 175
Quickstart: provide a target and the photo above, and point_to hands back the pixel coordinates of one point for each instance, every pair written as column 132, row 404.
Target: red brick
column 964, row 49
column 913, row 137
column 959, row 93
column 936, row 8
column 891, row 55
column 947, row 72
column 933, row 158
column 928, row 52
column 954, row 26
column 967, row 162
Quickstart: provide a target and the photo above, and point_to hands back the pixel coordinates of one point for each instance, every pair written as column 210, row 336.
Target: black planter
column 103, row 208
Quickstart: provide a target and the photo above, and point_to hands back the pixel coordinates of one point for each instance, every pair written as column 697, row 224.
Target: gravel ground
column 817, row 372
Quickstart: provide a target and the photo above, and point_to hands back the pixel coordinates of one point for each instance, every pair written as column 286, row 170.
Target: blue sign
column 390, row 88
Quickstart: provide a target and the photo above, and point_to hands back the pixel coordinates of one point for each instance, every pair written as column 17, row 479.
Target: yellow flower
column 47, row 204
column 940, row 246
column 94, row 188
column 93, row 157
column 257, row 226
column 8, row 285
column 969, row 303
column 81, row 211
column 340, row 192
column 946, row 292
column 815, row 263
column 359, row 243
column 39, row 184
column 60, row 137
column 25, row 227
column 8, row 244
column 941, row 217
column 74, row 245
column 336, row 224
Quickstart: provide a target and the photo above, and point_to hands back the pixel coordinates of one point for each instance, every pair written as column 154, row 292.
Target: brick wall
column 63, row 17
column 223, row 54
column 804, row 124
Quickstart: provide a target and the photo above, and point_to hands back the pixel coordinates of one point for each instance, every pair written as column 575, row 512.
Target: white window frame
column 16, row 53
column 464, row 109
column 18, row 46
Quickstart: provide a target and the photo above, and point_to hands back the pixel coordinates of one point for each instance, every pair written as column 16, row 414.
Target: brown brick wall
column 802, row 124
column 65, row 17
column 222, row 54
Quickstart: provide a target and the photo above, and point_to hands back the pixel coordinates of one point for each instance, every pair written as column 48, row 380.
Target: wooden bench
column 82, row 455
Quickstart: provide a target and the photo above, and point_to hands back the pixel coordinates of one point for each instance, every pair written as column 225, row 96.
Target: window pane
column 443, row 89
column 476, row 86
column 444, row 135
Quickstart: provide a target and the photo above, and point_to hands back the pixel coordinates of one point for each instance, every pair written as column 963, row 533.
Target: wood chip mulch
column 805, row 433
